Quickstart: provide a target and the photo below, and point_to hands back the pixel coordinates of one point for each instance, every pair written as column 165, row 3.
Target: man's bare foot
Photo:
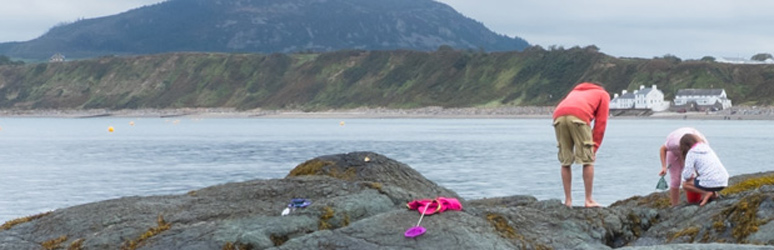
column 707, row 198
column 568, row 203
column 592, row 203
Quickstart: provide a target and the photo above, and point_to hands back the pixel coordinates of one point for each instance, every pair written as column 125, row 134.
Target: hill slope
column 350, row 79
column 267, row 27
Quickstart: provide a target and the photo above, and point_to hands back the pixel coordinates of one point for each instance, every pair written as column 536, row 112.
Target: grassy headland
column 355, row 79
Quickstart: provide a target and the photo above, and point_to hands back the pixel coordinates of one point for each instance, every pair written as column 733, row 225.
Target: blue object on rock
column 299, row 203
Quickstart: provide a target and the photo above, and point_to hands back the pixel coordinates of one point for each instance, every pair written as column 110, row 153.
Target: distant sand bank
column 735, row 113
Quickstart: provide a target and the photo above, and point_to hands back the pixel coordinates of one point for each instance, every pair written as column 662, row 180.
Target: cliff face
column 359, row 202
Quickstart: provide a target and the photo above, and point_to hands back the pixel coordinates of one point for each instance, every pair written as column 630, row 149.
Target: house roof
column 644, row 91
column 631, row 95
column 627, row 96
column 689, row 92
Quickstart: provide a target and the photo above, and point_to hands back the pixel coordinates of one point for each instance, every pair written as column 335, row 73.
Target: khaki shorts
column 573, row 138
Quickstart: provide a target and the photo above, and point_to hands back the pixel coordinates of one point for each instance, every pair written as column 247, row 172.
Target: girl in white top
column 672, row 160
column 702, row 161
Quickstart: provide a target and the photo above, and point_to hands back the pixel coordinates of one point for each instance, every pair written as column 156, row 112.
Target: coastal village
column 646, row 101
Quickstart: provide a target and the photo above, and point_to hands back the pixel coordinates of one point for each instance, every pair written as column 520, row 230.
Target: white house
column 701, row 99
column 736, row 60
column 643, row 98
column 58, row 57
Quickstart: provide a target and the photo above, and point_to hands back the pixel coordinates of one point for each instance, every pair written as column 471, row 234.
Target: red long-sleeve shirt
column 589, row 102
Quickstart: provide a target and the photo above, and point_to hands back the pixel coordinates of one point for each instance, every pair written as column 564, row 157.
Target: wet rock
column 359, row 202
column 385, row 231
column 740, row 217
column 710, row 246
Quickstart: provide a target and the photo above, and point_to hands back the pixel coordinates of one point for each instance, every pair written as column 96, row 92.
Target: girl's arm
column 662, row 153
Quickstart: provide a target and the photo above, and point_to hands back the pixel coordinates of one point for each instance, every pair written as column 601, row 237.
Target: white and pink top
column 703, row 161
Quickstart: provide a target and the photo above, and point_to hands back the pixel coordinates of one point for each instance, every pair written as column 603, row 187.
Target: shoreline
column 522, row 112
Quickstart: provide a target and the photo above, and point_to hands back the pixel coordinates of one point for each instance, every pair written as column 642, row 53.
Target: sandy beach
column 522, row 112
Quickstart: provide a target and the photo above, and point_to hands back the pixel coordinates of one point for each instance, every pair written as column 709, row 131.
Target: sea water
column 53, row 163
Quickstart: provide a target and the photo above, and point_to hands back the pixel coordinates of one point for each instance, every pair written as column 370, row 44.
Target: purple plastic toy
column 417, row 230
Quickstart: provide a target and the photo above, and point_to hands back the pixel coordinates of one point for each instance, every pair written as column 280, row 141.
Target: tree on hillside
column 4, row 60
column 445, row 48
column 671, row 58
column 591, row 48
column 762, row 57
column 708, row 59
column 534, row 48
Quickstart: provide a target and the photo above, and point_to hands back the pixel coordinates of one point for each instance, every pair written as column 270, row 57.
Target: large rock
column 743, row 214
column 358, row 202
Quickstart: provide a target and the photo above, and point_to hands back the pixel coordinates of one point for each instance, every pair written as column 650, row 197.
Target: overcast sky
column 689, row 29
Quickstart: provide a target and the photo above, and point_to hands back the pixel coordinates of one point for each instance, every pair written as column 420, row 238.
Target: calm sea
column 51, row 163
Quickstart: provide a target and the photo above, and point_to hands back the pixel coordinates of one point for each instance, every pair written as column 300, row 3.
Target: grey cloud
column 686, row 28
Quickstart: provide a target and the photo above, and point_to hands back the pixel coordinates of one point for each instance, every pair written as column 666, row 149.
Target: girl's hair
column 687, row 141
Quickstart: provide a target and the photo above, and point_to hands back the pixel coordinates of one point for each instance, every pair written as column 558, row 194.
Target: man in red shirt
column 577, row 141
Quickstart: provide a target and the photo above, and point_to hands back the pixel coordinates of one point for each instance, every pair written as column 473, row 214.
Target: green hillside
column 354, row 78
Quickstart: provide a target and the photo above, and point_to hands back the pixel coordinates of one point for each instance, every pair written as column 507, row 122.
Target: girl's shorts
column 708, row 189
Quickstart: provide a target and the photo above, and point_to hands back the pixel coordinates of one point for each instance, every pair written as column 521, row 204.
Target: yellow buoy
column 110, row 129
column 341, row 123
column 131, row 123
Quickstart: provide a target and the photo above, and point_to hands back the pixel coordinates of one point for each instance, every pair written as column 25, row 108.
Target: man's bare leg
column 567, row 183
column 588, row 184
column 688, row 185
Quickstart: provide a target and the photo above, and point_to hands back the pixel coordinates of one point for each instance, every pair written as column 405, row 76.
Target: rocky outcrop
column 742, row 215
column 359, row 202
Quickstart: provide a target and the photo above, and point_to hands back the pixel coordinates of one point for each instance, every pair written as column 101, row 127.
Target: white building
column 735, row 60
column 701, row 99
column 58, row 57
column 643, row 98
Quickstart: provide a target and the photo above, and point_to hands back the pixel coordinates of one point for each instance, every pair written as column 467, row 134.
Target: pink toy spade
column 417, row 230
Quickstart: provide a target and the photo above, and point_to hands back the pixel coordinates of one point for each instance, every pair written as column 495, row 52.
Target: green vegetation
column 748, row 184
column 762, row 57
column 153, row 231
column 4, row 60
column 324, row 223
column 278, row 240
column 54, row 243
column 357, row 78
column 742, row 217
column 505, row 230
column 502, row 227
column 655, row 200
column 374, row 185
column 320, row 167
column 76, row 244
column 237, row 246
column 9, row 224
column 691, row 232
